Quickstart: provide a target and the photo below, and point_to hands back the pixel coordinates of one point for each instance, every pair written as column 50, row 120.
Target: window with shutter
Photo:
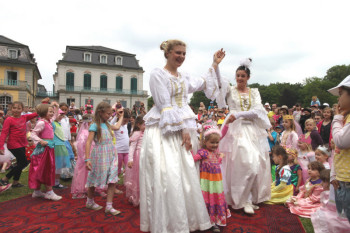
column 133, row 85
column 87, row 81
column 119, row 83
column 103, row 83
column 70, row 81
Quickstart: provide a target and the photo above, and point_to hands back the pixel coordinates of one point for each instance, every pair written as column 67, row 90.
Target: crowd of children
column 309, row 168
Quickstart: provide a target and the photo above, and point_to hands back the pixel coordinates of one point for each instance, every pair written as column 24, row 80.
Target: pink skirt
column 132, row 180
column 42, row 168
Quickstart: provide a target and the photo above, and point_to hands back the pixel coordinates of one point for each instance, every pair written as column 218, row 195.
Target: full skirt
column 170, row 195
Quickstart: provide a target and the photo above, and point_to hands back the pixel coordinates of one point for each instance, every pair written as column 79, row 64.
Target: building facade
column 19, row 73
column 97, row 73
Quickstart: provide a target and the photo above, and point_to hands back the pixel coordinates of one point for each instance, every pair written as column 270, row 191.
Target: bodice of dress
column 47, row 131
column 170, row 95
column 310, row 185
column 135, row 144
column 285, row 175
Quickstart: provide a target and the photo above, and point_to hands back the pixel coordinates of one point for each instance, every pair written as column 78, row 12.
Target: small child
column 211, row 177
column 282, row 188
column 272, row 139
column 42, row 168
column 73, row 129
column 322, row 154
column 325, row 126
column 103, row 163
column 132, row 172
column 61, row 153
column 296, row 178
column 14, row 130
column 305, row 156
column 311, row 131
column 326, row 219
column 341, row 136
column 289, row 135
column 308, row 199
column 122, row 141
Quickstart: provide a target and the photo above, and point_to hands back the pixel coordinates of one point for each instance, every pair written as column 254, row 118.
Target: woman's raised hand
column 218, row 56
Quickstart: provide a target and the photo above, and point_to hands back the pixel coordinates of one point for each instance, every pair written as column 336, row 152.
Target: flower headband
column 210, row 128
column 246, row 63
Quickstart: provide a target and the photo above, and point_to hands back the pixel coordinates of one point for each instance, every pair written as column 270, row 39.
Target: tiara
column 304, row 140
column 324, row 150
column 292, row 152
column 210, row 128
column 288, row 117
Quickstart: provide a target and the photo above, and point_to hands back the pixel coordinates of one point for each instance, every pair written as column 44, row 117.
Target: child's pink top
column 135, row 144
column 15, row 129
column 42, row 130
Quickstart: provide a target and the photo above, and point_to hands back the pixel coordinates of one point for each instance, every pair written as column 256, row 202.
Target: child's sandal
column 93, row 206
column 112, row 211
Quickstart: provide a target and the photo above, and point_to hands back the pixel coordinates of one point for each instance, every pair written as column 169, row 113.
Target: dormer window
column 103, row 58
column 87, row 57
column 119, row 61
column 13, row 53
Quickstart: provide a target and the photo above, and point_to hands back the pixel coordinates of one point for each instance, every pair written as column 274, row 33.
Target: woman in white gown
column 170, row 195
column 246, row 166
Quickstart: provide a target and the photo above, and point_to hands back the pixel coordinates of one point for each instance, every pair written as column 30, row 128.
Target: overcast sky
column 288, row 40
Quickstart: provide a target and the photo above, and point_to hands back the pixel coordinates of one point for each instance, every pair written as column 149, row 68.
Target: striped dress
column 212, row 187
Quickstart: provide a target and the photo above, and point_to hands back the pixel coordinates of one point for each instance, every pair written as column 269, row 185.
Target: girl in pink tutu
column 132, row 172
column 309, row 198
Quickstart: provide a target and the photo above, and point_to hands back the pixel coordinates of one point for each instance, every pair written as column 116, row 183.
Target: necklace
column 245, row 104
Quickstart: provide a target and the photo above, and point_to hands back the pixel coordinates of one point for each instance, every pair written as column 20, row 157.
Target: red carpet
column 26, row 214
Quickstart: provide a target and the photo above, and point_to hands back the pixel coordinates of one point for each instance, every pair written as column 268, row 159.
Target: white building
column 99, row 74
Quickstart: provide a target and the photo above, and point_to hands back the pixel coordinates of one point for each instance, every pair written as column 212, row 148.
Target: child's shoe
column 3, row 188
column 52, row 196
column 38, row 194
column 93, row 206
column 215, row 228
column 112, row 211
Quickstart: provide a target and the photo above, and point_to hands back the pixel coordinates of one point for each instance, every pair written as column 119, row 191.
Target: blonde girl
column 311, row 131
column 289, row 135
column 322, row 154
column 102, row 162
column 305, row 155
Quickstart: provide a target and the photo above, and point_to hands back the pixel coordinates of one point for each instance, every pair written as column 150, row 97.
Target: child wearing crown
column 211, row 177
column 289, row 135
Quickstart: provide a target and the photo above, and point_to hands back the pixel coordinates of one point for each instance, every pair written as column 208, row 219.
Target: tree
column 198, row 97
column 150, row 102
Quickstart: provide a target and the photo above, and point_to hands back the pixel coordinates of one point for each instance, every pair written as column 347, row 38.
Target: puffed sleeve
column 170, row 119
column 201, row 154
column 40, row 125
column 208, row 83
column 224, row 89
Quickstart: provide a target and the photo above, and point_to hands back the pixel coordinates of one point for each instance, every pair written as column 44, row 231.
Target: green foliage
column 150, row 103
column 198, row 97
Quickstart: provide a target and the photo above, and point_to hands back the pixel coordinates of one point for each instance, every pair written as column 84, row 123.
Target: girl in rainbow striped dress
column 211, row 177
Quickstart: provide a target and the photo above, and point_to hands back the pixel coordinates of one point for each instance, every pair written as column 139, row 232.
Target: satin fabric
column 170, row 195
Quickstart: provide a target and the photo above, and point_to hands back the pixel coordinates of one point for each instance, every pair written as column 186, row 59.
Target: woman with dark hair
column 246, row 166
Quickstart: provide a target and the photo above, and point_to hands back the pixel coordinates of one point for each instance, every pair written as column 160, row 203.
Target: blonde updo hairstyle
column 168, row 45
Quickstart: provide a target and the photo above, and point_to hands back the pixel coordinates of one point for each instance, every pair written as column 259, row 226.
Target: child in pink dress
column 309, row 198
column 132, row 172
column 289, row 137
column 305, row 156
column 42, row 166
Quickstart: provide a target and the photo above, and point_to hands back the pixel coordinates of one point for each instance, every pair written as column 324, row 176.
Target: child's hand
column 43, row 143
column 88, row 165
column 231, row 119
column 130, row 164
column 222, row 155
column 297, row 189
column 120, row 112
column 335, row 184
column 2, row 152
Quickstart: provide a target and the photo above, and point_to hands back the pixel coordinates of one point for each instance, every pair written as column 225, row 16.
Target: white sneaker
column 248, row 209
column 38, row 194
column 52, row 196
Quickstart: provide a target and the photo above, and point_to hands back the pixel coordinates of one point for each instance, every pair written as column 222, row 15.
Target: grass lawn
column 19, row 192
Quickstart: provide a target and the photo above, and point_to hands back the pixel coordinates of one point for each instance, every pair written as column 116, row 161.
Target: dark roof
column 5, row 40
column 75, row 54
